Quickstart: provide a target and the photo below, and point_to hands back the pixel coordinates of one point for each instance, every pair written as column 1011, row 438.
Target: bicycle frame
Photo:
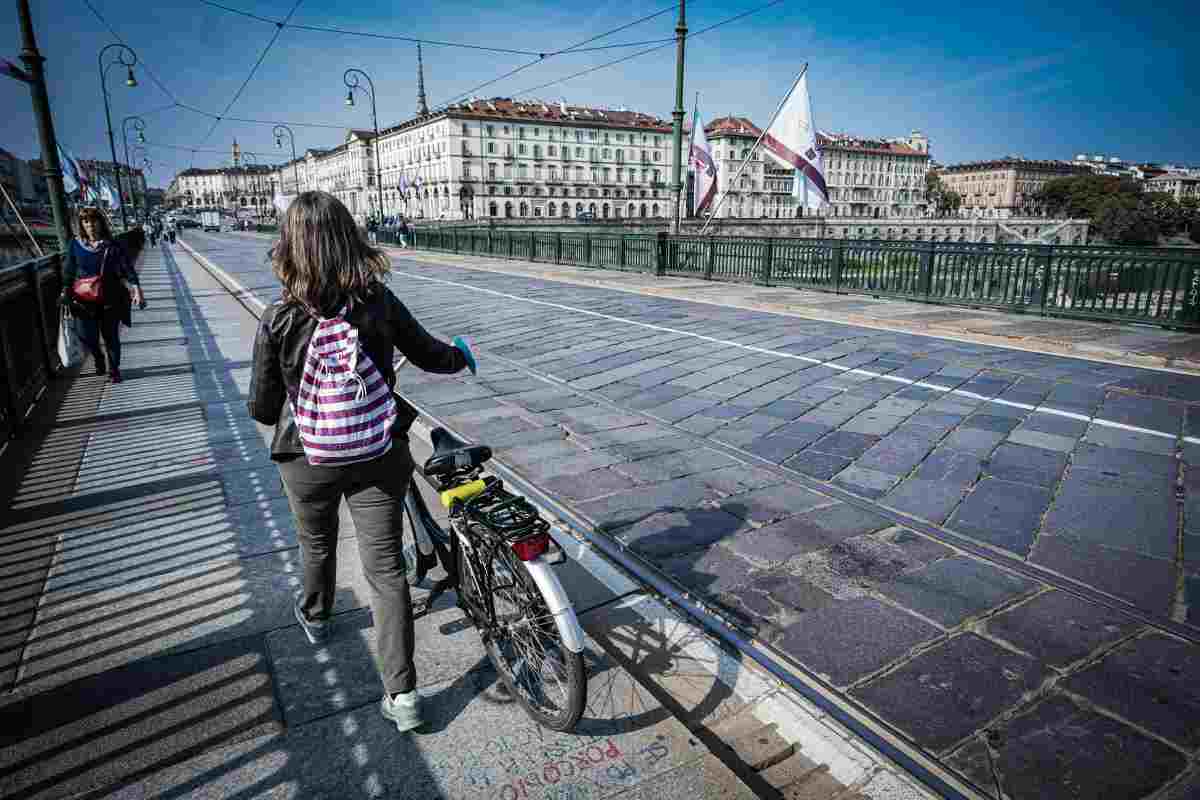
column 540, row 570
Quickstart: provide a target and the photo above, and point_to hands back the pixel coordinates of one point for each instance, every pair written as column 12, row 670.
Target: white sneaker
column 402, row 709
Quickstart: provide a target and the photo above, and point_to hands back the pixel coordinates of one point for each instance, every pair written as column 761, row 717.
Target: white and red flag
column 701, row 162
column 792, row 142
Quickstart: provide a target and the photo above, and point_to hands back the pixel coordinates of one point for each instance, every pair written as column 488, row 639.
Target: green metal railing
column 1159, row 285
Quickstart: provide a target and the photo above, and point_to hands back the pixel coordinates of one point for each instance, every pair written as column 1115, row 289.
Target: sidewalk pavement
column 148, row 647
column 989, row 552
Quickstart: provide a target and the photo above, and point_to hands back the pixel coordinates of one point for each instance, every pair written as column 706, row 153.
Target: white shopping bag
column 70, row 350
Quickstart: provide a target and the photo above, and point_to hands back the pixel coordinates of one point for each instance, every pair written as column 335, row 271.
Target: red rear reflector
column 531, row 547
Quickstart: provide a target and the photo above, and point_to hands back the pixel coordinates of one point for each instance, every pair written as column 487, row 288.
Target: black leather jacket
column 281, row 346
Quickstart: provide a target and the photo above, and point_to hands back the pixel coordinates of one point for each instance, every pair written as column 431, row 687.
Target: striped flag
column 701, row 162
column 792, row 142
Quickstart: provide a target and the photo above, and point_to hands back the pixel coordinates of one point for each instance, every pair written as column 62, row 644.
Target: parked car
column 585, row 216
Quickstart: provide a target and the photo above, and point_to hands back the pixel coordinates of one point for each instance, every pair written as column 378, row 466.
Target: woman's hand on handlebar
column 465, row 348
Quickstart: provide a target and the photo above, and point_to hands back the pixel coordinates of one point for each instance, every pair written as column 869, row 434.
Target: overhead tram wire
column 141, row 61
column 401, row 38
column 217, row 151
column 569, row 49
column 254, row 69
column 578, row 48
column 632, row 56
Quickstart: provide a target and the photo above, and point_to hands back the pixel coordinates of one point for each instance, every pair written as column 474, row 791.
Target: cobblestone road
column 758, row 458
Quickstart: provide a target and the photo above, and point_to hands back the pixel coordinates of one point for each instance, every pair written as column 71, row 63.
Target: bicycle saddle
column 451, row 454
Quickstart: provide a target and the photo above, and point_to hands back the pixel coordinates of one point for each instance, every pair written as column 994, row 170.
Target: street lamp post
column 254, row 189
column 123, row 52
column 351, row 79
column 139, row 125
column 279, row 131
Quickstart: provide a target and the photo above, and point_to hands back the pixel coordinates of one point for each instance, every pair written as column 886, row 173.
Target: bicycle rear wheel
column 546, row 678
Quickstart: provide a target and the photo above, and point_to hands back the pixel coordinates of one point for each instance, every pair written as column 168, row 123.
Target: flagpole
column 750, row 155
column 691, row 144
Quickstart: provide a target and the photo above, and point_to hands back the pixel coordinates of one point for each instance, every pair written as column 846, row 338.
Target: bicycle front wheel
column 546, row 678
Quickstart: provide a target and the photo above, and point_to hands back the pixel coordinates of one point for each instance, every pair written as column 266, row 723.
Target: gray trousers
column 374, row 491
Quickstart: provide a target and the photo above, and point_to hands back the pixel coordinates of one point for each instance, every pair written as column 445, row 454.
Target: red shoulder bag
column 91, row 290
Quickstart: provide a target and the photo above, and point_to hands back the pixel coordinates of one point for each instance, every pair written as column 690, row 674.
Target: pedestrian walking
column 101, row 286
column 403, row 232
column 323, row 353
column 171, row 230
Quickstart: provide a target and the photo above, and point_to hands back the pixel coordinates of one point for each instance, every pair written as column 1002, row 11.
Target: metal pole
column 677, row 114
column 112, row 146
column 279, row 131
column 750, row 155
column 351, row 80
column 139, row 125
column 51, row 166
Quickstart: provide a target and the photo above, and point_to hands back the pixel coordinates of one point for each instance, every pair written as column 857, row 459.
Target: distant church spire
column 422, row 106
column 237, row 154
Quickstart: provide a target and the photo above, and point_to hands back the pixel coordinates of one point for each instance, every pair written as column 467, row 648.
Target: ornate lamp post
column 254, row 185
column 279, row 131
column 351, row 79
column 138, row 125
column 128, row 59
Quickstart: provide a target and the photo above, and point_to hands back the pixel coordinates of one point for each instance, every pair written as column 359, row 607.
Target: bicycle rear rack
column 509, row 516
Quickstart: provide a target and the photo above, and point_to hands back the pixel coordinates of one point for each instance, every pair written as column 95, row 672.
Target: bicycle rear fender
column 557, row 601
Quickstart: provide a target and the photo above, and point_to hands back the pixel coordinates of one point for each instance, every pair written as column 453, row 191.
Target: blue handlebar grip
column 465, row 349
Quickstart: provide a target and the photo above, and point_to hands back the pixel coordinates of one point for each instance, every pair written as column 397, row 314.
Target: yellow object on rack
column 462, row 493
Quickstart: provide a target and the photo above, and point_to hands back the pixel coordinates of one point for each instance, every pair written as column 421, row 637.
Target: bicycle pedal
column 455, row 626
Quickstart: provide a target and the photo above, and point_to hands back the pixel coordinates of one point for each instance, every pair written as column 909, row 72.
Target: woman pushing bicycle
column 323, row 376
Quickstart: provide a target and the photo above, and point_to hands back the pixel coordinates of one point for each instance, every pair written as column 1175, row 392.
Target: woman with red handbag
column 100, row 287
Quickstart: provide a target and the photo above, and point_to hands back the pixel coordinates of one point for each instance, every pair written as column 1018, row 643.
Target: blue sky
column 1039, row 80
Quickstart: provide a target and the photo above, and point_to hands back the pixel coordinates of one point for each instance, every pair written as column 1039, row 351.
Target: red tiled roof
column 1067, row 167
column 546, row 111
column 741, row 126
column 737, row 126
column 841, row 141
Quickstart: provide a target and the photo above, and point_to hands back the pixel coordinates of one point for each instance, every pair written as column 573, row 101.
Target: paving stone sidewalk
column 714, row 443
column 148, row 645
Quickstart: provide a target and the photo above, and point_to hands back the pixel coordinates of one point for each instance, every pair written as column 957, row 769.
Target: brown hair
column 322, row 258
column 102, row 222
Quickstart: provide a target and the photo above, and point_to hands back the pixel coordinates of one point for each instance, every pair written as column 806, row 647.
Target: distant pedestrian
column 108, row 301
column 333, row 283
column 403, row 232
column 171, row 230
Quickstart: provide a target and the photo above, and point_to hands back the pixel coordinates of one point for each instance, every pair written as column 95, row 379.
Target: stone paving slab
column 950, row 691
column 1059, row 749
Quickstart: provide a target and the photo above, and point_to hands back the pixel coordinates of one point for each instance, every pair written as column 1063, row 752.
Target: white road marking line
column 840, row 367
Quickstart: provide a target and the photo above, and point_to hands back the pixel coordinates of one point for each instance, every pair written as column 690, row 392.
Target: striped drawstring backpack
column 343, row 408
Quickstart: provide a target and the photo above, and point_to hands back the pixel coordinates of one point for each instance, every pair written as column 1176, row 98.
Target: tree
column 1080, row 196
column 1125, row 220
column 944, row 200
column 1168, row 214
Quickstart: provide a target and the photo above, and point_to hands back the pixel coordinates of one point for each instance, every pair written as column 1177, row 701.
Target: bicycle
column 499, row 558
